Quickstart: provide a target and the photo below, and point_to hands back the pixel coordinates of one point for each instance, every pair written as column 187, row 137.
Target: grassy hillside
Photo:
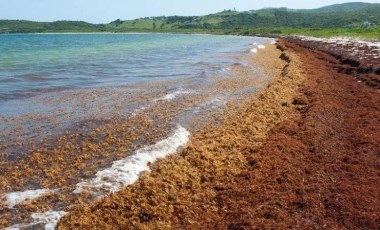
column 22, row 26
column 345, row 7
column 340, row 19
column 267, row 21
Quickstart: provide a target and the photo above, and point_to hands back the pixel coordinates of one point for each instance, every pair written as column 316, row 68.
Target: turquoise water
column 35, row 64
column 50, row 83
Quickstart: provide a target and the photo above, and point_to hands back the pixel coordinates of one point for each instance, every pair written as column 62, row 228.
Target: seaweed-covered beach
column 64, row 148
column 303, row 153
column 296, row 149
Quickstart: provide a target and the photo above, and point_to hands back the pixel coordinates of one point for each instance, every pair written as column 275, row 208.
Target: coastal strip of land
column 302, row 153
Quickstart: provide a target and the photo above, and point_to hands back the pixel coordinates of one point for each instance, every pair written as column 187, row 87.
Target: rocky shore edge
column 301, row 154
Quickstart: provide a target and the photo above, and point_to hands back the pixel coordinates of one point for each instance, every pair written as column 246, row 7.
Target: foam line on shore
column 254, row 50
column 49, row 219
column 15, row 198
column 261, row 46
column 257, row 47
column 127, row 171
column 173, row 95
column 122, row 173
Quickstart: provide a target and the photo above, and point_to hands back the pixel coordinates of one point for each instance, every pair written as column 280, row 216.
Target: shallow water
column 49, row 83
column 34, row 64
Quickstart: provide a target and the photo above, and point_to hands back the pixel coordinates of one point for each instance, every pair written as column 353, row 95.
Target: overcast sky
column 104, row 11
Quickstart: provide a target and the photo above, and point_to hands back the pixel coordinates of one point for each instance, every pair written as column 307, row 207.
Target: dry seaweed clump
column 185, row 185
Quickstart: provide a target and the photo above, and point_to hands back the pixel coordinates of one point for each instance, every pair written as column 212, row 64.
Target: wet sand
column 301, row 154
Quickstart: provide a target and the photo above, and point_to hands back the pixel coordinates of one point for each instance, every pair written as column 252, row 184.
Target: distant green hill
column 22, row 26
column 267, row 21
column 345, row 7
column 345, row 19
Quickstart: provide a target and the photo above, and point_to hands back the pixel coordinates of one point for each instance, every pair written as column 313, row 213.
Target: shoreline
column 303, row 153
column 273, row 36
column 41, row 183
column 213, row 152
column 309, row 139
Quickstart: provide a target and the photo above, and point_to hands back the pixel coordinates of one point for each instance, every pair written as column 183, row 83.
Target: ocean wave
column 127, row 171
column 122, row 173
column 9, row 80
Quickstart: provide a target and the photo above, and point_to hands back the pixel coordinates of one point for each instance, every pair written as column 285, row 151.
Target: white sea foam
column 15, row 198
column 261, row 46
column 127, row 171
column 171, row 96
column 49, row 219
column 253, row 50
column 137, row 111
column 17, row 226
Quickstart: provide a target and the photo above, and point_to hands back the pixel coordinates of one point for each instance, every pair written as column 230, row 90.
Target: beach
column 148, row 115
column 64, row 148
column 302, row 153
column 296, row 147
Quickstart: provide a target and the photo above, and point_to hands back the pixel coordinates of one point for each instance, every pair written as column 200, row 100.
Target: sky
column 105, row 11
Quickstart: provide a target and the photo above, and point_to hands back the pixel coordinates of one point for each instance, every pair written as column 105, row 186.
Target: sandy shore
column 302, row 154
column 185, row 187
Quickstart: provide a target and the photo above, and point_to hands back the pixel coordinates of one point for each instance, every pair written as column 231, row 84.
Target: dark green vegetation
column 349, row 19
column 22, row 26
column 347, row 7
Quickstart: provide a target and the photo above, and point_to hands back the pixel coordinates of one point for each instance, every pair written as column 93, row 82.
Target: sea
column 31, row 65
column 88, row 113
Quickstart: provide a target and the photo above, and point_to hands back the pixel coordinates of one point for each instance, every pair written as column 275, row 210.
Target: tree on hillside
column 117, row 22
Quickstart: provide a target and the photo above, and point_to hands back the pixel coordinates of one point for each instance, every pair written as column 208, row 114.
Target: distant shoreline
column 347, row 19
column 79, row 33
